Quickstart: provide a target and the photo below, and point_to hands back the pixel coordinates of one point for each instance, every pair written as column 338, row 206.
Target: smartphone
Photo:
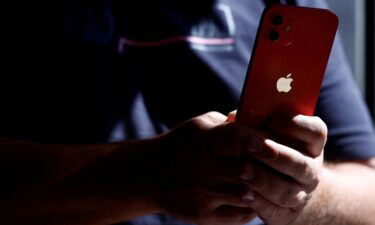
column 288, row 63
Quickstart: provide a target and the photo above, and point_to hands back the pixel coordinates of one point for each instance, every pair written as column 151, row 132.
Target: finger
column 230, row 170
column 270, row 212
column 223, row 194
column 277, row 188
column 215, row 117
column 226, row 139
column 310, row 130
column 232, row 116
column 197, row 126
column 287, row 161
column 230, row 139
column 208, row 120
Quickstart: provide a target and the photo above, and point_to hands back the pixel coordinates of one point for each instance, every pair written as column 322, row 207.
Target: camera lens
column 274, row 35
column 277, row 20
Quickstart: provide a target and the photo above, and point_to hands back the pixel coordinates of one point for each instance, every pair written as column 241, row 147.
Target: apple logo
column 283, row 84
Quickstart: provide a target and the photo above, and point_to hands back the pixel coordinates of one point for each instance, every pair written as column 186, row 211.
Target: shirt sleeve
column 342, row 107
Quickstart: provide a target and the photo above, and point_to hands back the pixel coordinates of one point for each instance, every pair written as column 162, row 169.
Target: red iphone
column 288, row 63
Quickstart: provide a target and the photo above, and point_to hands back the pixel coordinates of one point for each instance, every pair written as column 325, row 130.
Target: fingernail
column 248, row 173
column 249, row 197
column 254, row 145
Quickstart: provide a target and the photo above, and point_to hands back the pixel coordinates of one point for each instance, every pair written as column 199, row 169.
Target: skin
column 292, row 184
column 206, row 171
column 175, row 173
column 294, row 160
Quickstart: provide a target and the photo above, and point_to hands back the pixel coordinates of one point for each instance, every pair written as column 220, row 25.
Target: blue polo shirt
column 101, row 70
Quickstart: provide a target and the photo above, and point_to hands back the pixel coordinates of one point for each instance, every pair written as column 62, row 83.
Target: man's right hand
column 197, row 175
column 191, row 172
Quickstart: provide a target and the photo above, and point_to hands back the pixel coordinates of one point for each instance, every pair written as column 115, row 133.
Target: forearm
column 60, row 208
column 85, row 184
column 34, row 166
column 345, row 196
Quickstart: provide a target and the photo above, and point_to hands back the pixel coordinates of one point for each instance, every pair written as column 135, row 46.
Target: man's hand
column 290, row 168
column 192, row 172
column 200, row 179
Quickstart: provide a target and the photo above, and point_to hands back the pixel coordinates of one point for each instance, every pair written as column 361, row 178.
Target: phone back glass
column 298, row 58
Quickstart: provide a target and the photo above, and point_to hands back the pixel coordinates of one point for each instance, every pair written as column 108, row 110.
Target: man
column 83, row 73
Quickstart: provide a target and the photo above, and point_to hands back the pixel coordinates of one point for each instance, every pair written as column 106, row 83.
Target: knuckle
column 303, row 198
column 319, row 128
column 198, row 123
column 214, row 117
column 303, row 169
column 313, row 174
column 314, row 184
column 292, row 197
column 314, row 124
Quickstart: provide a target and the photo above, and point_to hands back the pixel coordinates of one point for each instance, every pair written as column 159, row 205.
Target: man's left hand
column 287, row 168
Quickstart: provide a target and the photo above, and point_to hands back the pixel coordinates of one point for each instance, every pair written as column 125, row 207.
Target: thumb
column 232, row 116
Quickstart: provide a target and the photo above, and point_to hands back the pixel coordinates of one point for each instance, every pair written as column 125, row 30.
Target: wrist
column 158, row 166
column 146, row 162
column 317, row 207
column 122, row 176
